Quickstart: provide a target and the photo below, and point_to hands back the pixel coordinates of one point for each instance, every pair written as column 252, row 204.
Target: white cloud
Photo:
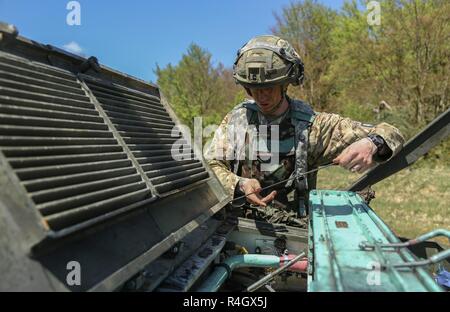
column 74, row 48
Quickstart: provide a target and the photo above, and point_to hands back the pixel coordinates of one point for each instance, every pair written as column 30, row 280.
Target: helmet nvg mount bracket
column 267, row 61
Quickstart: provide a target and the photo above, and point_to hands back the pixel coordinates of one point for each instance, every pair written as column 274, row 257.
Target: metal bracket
column 433, row 259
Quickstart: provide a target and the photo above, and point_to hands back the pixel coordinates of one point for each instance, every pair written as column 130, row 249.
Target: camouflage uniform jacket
column 324, row 136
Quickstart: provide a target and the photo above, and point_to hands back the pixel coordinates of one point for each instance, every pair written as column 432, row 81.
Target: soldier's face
column 266, row 98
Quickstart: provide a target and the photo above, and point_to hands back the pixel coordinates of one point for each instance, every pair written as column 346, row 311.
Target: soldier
column 242, row 154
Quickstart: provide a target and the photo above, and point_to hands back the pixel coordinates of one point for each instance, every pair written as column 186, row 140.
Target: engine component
column 342, row 228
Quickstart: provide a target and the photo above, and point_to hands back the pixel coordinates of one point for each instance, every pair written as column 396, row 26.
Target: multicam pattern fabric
column 236, row 147
column 323, row 140
column 267, row 60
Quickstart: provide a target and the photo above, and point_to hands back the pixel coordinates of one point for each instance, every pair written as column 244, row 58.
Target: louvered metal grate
column 146, row 127
column 61, row 149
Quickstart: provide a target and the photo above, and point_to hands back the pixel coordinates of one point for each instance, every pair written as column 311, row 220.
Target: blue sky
column 133, row 36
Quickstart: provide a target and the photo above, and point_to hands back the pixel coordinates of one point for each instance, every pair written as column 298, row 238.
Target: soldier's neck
column 280, row 111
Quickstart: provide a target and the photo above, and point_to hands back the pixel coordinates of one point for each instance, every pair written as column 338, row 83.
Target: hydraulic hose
column 224, row 269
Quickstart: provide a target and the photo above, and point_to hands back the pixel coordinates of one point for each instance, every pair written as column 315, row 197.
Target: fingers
column 366, row 167
column 252, row 189
column 338, row 159
column 354, row 162
column 355, row 168
column 348, row 159
column 255, row 199
column 360, row 165
column 357, row 157
column 269, row 197
column 357, row 165
column 345, row 157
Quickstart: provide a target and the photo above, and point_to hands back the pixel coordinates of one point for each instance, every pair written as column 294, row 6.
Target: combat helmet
column 266, row 61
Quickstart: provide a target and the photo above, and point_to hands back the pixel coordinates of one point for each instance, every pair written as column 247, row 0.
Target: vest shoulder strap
column 251, row 105
column 251, row 111
column 302, row 111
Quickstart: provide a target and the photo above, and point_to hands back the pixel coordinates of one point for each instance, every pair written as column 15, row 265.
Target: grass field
column 412, row 202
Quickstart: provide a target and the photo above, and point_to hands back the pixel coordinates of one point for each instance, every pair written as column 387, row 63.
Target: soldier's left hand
column 357, row 157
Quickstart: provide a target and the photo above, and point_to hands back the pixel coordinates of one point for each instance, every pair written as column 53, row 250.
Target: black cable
column 284, row 181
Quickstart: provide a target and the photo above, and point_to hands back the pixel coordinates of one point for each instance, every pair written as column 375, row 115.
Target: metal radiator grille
column 145, row 126
column 60, row 147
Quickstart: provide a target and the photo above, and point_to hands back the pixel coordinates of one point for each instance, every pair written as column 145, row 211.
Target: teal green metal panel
column 339, row 222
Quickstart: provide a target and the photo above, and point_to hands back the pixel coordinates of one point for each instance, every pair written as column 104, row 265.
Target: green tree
column 307, row 25
column 196, row 88
column 404, row 61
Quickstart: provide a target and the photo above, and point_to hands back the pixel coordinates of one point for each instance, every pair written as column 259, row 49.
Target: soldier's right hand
column 251, row 188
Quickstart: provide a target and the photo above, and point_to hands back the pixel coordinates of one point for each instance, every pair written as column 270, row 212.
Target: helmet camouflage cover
column 266, row 61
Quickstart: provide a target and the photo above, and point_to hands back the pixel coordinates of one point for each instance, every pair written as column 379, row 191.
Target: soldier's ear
column 248, row 92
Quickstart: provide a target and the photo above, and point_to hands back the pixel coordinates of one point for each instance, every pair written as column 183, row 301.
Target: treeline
column 397, row 71
column 195, row 87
